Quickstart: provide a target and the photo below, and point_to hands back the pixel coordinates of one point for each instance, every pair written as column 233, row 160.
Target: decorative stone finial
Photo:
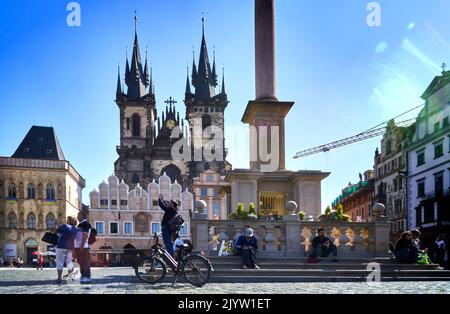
column 200, row 206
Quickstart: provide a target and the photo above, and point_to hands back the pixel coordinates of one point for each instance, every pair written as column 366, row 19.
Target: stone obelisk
column 266, row 114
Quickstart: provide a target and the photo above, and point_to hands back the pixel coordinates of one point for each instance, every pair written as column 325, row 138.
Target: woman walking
column 65, row 245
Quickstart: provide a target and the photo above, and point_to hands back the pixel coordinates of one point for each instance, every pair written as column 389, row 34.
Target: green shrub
column 302, row 215
column 251, row 208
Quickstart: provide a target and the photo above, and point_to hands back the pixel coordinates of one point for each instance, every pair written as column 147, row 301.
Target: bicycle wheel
column 151, row 269
column 197, row 270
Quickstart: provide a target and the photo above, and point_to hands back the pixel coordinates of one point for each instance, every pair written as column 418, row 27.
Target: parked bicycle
column 196, row 269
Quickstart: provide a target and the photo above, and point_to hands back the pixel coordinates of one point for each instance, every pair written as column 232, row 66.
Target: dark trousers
column 407, row 255
column 323, row 251
column 248, row 257
column 167, row 238
column 83, row 260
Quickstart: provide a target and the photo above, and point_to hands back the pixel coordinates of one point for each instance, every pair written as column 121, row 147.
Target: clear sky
column 343, row 75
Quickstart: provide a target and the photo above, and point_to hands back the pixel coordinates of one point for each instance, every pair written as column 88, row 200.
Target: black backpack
column 92, row 236
column 175, row 223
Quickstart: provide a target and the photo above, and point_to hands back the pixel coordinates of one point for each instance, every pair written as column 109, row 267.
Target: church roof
column 40, row 143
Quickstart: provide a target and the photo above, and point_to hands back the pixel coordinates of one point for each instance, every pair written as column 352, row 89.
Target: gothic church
column 145, row 150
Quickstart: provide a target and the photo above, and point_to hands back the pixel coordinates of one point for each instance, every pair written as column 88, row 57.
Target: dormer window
column 26, row 149
column 49, row 151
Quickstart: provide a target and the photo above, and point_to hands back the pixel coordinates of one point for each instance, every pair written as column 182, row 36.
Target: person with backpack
column 82, row 246
column 170, row 211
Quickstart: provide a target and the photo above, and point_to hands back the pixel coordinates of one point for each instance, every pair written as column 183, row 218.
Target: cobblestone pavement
column 123, row 281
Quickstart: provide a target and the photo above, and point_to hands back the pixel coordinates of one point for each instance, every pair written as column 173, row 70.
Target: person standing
column 82, row 246
column 246, row 245
column 440, row 250
column 170, row 210
column 65, row 245
column 405, row 249
column 40, row 261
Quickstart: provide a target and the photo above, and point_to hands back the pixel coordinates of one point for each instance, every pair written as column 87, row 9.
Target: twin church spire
column 138, row 78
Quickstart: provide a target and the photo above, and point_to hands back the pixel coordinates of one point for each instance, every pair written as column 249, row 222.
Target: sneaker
column 256, row 267
column 244, row 267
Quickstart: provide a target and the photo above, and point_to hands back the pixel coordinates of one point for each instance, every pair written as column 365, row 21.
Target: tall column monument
column 266, row 112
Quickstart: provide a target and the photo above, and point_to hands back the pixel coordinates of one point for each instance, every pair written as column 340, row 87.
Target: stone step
column 264, row 265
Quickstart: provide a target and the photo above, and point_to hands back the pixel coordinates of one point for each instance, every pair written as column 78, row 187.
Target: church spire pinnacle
column 119, row 86
column 137, row 77
column 188, row 84
column 223, row 81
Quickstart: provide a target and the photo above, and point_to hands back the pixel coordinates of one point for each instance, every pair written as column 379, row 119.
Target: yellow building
column 38, row 188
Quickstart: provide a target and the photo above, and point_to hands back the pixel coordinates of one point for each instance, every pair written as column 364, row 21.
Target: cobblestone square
column 122, row 281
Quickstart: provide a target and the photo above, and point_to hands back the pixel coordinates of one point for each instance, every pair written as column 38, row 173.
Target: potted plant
column 252, row 212
column 301, row 215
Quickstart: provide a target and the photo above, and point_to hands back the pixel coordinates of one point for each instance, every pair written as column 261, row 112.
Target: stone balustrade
column 292, row 237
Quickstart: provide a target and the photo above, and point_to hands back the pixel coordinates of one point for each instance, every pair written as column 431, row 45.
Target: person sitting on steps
column 246, row 245
column 322, row 247
column 406, row 250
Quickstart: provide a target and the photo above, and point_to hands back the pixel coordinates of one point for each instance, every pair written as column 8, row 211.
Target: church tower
column 205, row 108
column 137, row 117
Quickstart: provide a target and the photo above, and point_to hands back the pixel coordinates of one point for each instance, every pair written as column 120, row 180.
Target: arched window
column 50, row 221
column 12, row 191
column 12, row 221
column 136, row 123
column 173, row 172
column 135, row 178
column 31, row 191
column 50, row 191
column 31, row 221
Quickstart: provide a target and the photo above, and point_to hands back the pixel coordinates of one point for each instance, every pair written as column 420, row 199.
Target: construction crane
column 349, row 140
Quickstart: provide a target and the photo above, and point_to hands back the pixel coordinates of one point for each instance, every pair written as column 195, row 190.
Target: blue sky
column 343, row 75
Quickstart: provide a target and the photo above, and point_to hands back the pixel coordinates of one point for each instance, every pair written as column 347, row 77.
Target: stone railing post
column 292, row 224
column 381, row 230
column 200, row 228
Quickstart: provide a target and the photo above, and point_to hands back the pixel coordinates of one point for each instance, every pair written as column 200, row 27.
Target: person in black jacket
column 405, row 249
column 170, row 210
column 246, row 245
column 322, row 247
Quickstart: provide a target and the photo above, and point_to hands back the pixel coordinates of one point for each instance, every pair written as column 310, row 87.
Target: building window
column 31, row 221
column 50, row 221
column 104, row 202
column 184, row 229
column 394, row 164
column 31, row 191
column 388, row 147
column 124, row 202
column 420, row 158
column 114, row 202
column 438, row 150
column 421, row 188
column 439, row 184
column 128, row 228
column 113, row 228
column 50, row 192
column 136, row 122
column 12, row 191
column 100, row 227
column 203, row 192
column 380, row 171
column 398, row 206
column 155, row 202
column 209, row 178
column 436, row 127
column 155, row 227
column 400, row 161
column 12, row 221
column 216, row 211
column 128, row 123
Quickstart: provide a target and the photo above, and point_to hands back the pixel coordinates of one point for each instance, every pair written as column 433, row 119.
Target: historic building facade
column 147, row 139
column 390, row 176
column 429, row 163
column 38, row 189
column 356, row 199
column 127, row 219
column 211, row 187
